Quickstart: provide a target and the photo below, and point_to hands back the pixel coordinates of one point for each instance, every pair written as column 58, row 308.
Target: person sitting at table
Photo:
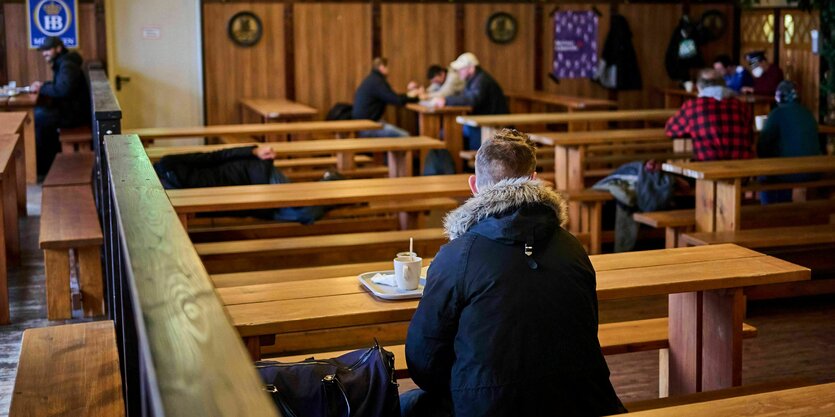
column 720, row 126
column 766, row 75
column 736, row 76
column 790, row 130
column 507, row 325
column 245, row 165
column 482, row 93
column 443, row 82
column 66, row 100
column 372, row 96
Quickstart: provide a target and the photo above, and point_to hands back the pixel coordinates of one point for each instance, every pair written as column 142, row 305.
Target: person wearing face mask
column 766, row 75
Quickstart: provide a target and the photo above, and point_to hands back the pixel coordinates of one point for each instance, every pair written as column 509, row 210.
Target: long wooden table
column 10, row 145
column 399, row 150
column 578, row 121
column 439, row 122
column 11, row 121
column 719, row 184
column 705, row 309
column 276, row 109
column 252, row 197
column 341, row 128
column 758, row 105
column 810, row 401
column 14, row 124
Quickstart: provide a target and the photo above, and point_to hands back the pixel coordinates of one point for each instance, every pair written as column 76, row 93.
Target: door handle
column 119, row 80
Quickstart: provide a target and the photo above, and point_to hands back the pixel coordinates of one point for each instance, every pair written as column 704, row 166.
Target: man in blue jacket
column 482, row 93
column 66, row 98
column 507, row 325
column 371, row 98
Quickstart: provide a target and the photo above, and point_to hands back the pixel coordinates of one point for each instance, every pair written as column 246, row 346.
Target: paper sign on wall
column 52, row 18
column 575, row 44
column 151, row 33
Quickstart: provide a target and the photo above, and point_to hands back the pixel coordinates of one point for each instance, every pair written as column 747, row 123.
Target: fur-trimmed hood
column 503, row 197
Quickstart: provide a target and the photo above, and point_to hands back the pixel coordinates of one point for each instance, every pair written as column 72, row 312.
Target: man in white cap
column 482, row 93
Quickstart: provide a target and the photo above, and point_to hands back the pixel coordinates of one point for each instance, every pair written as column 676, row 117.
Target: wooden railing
column 179, row 354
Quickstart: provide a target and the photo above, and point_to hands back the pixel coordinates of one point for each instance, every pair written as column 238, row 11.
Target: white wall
column 166, row 86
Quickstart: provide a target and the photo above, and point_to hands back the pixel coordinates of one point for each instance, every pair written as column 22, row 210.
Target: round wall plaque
column 501, row 27
column 245, row 29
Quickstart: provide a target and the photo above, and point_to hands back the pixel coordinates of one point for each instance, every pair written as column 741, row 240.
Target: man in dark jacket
column 371, row 98
column 246, row 165
column 482, row 93
column 507, row 325
column 67, row 99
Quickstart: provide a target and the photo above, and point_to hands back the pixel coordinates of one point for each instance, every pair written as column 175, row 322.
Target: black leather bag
column 356, row 384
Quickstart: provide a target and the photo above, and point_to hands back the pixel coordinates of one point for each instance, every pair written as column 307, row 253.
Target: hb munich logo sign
column 52, row 18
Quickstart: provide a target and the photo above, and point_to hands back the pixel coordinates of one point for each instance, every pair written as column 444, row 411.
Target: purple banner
column 575, row 44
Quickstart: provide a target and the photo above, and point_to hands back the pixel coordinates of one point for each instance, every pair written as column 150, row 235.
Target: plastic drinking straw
column 411, row 249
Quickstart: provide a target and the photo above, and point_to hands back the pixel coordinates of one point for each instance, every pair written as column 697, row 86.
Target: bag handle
column 332, row 380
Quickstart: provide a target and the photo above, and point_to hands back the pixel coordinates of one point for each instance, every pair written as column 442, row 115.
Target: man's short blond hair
column 508, row 154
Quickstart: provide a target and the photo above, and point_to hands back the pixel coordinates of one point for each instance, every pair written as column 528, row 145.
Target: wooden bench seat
column 765, row 238
column 76, row 139
column 615, row 338
column 70, row 222
column 71, row 169
column 314, row 162
column 248, row 255
column 356, row 173
column 676, row 222
column 383, row 207
column 68, row 370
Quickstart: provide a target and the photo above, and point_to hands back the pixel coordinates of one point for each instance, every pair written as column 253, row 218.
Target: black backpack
column 340, row 111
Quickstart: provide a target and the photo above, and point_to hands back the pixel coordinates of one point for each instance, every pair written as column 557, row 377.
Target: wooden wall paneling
column 233, row 72
column 796, row 58
column 510, row 64
column 415, row 36
column 333, row 51
column 652, row 26
column 4, row 76
column 723, row 45
column 756, row 32
column 26, row 65
column 579, row 86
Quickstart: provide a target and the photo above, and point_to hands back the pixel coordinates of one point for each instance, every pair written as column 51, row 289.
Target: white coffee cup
column 407, row 272
column 688, row 86
column 759, row 122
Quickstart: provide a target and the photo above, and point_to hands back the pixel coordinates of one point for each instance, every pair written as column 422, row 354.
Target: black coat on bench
column 234, row 166
column 505, row 333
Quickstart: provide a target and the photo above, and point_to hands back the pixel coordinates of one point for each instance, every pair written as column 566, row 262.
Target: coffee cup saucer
column 388, row 292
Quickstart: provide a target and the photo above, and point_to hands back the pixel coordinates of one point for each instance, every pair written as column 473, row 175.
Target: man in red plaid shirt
column 721, row 126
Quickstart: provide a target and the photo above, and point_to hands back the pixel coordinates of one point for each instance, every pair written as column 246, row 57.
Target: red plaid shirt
column 719, row 129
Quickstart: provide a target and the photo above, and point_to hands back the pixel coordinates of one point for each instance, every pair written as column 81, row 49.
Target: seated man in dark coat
column 482, row 93
column 372, row 96
column 66, row 98
column 507, row 325
column 246, row 165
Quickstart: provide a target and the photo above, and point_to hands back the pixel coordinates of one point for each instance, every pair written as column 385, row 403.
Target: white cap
column 467, row 59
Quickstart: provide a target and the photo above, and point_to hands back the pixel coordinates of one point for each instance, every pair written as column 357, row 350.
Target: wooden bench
column 69, row 222
column 340, row 128
column 615, row 338
column 76, row 139
column 71, row 169
column 765, row 238
column 247, row 255
column 68, row 370
column 676, row 222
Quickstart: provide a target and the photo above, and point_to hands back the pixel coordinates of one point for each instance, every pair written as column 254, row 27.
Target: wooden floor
column 796, row 337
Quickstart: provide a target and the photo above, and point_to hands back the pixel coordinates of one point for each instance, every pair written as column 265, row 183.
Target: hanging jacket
column 234, row 166
column 683, row 51
column 507, row 334
column 618, row 59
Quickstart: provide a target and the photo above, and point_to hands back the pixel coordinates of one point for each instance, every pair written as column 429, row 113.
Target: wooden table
column 705, row 342
column 758, row 105
column 810, row 401
column 18, row 124
column 719, row 184
column 10, row 145
column 578, row 121
column 432, row 121
column 252, row 197
column 25, row 103
column 399, row 150
column 538, row 101
column 341, row 128
column 276, row 109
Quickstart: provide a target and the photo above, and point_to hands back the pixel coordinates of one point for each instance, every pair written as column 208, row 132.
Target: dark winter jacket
column 68, row 91
column 235, row 166
column 679, row 60
column 504, row 333
column 483, row 93
column 619, row 52
column 372, row 96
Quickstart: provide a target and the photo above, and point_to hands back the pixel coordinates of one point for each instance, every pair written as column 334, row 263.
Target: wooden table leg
column 10, row 210
column 253, row 346
column 705, row 206
column 90, row 281
column 5, row 308
column 20, row 177
column 184, row 220
column 685, row 336
column 57, row 269
column 575, row 182
column 595, row 227
column 728, row 204
column 400, row 164
column 722, row 338
column 454, row 139
column 345, row 161
column 29, row 144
